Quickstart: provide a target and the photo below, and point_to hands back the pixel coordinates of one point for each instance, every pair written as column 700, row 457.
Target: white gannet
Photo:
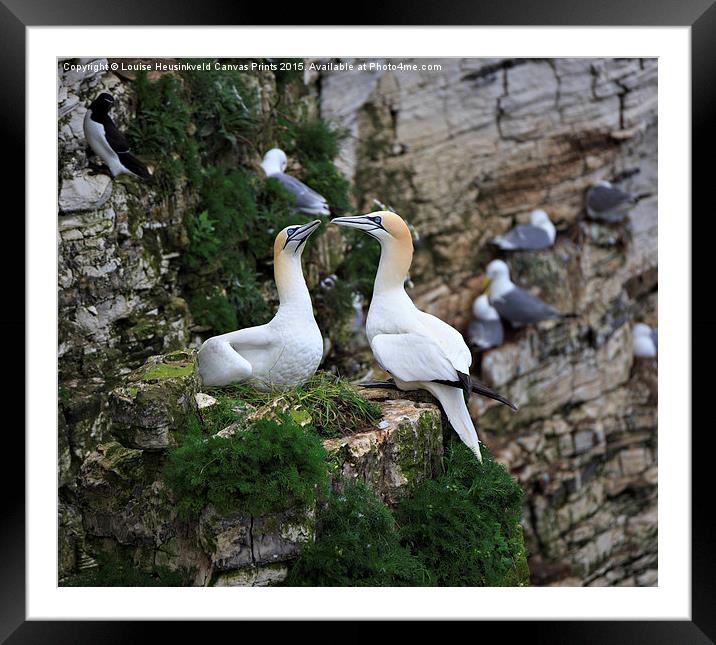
column 485, row 330
column 515, row 305
column 537, row 235
column 418, row 349
column 607, row 203
column 108, row 143
column 306, row 200
column 644, row 340
column 284, row 352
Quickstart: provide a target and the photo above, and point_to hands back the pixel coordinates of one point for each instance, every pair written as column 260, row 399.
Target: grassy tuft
column 329, row 403
column 356, row 546
column 271, row 466
column 464, row 525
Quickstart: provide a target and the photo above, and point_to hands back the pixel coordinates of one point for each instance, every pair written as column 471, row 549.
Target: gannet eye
column 377, row 220
column 291, row 231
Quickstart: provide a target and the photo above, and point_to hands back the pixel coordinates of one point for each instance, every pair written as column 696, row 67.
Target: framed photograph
column 360, row 322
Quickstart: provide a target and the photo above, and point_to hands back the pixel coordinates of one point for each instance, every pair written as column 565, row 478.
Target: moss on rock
column 156, row 399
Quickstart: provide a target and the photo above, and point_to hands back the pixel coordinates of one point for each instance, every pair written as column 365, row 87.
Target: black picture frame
column 700, row 15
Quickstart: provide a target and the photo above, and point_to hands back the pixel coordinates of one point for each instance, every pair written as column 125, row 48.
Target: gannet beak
column 361, row 222
column 366, row 223
column 302, row 233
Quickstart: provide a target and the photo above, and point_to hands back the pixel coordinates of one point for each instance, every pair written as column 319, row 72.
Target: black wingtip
column 483, row 390
column 135, row 166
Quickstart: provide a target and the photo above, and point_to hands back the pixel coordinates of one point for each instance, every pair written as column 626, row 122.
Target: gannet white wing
column 655, row 337
column 450, row 340
column 413, row 357
column 306, row 198
column 233, row 357
column 524, row 237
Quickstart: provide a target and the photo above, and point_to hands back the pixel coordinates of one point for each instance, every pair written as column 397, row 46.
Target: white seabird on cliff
column 284, row 352
column 607, row 203
column 644, row 340
column 537, row 235
column 485, row 330
column 515, row 305
column 418, row 349
column 306, row 200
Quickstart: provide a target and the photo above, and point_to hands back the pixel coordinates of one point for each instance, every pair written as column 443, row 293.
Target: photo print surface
column 357, row 322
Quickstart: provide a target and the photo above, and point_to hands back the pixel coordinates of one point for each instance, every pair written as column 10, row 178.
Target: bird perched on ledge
column 306, row 200
column 108, row 143
column 537, row 235
column 283, row 353
column 607, row 203
column 516, row 305
column 645, row 341
column 485, row 330
column 418, row 349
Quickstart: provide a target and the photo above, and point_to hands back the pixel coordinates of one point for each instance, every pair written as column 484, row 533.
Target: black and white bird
column 108, row 143
column 537, row 235
column 644, row 340
column 420, row 351
column 607, row 203
column 306, row 200
column 516, row 305
column 485, row 330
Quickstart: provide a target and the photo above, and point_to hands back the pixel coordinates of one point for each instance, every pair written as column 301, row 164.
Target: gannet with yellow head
column 418, row 349
column 286, row 351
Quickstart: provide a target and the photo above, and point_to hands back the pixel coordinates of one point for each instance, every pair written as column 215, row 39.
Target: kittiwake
column 644, row 339
column 515, row 305
column 607, row 203
column 306, row 200
column 537, row 235
column 485, row 330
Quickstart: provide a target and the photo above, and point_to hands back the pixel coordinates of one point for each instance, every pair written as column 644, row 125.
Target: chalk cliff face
column 118, row 244
column 463, row 154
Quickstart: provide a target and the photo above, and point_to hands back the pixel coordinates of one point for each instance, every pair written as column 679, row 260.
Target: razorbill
column 108, row 143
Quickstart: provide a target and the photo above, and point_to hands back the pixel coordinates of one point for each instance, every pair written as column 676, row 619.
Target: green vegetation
column 205, row 130
column 464, row 525
column 272, row 465
column 460, row 529
column 206, row 127
column 160, row 131
column 329, row 403
column 167, row 370
column 357, row 546
column 230, row 245
column 115, row 571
